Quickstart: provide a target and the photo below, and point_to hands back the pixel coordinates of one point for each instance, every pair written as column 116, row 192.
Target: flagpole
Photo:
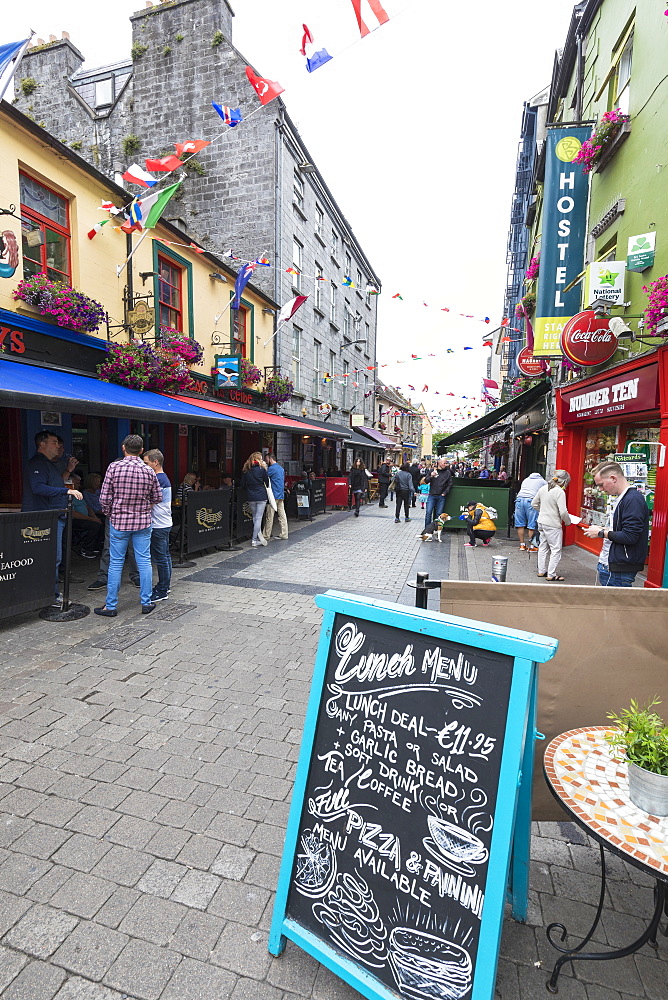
column 278, row 327
column 121, row 267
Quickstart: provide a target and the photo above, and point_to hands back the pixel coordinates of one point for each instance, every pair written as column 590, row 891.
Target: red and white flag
column 266, row 90
column 290, row 308
column 137, row 175
column 489, row 383
column 190, row 146
column 377, row 10
column 167, row 163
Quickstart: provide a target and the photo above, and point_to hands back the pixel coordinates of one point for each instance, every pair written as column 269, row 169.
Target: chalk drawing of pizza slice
column 315, row 869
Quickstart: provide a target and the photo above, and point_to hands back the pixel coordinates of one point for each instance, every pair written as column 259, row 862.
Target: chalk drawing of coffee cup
column 456, row 844
column 428, row 967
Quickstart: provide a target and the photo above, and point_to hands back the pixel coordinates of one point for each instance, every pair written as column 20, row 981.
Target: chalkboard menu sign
column 392, row 846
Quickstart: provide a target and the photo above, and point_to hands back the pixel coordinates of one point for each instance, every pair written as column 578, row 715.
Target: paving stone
column 518, row 943
column 532, row 984
column 197, row 934
column 620, row 974
column 37, row 981
column 294, row 970
column 142, row 970
column 117, row 906
column 83, row 894
column 231, row 829
column 199, row 852
column 22, row 801
column 268, row 839
column 162, row 878
column 81, row 852
column 153, row 919
column 130, row 831
column 327, row 986
column 507, row 982
column 629, row 898
column 264, row 871
column 176, row 813
column 653, row 974
column 588, row 859
column 577, row 885
column 168, row 842
column 11, row 828
column 90, row 950
column 196, row 980
column 41, row 931
column 196, row 889
column 237, row 951
column 270, row 788
column 601, row 993
column 576, row 917
column 11, row 964
column 82, row 989
column 551, row 851
column 123, row 866
column 232, row 862
column 106, row 795
column 41, row 841
column 19, row 872
column 250, row 989
column 144, row 805
column 238, row 901
column 55, row 811
column 93, row 820
column 12, row 909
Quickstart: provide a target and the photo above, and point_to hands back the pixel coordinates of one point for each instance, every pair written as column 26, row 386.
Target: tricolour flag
column 231, row 116
column 145, row 212
column 376, row 9
column 167, row 163
column 190, row 146
column 315, row 58
column 137, row 175
column 266, row 90
column 290, row 308
column 96, row 228
column 10, row 56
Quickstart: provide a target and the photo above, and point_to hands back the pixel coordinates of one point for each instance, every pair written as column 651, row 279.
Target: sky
column 415, row 129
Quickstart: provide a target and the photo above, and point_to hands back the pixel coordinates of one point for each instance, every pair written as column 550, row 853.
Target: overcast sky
column 415, row 129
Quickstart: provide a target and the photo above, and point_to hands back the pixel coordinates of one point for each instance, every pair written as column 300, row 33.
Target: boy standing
column 161, row 523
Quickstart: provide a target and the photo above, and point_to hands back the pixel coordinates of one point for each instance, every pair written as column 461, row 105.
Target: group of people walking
column 264, row 482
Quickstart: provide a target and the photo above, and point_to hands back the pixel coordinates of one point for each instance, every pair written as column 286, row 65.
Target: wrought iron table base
column 575, row 954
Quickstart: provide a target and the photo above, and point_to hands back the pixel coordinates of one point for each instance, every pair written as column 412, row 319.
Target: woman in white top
column 550, row 502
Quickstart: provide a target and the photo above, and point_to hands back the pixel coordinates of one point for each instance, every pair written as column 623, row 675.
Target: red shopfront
column 623, row 411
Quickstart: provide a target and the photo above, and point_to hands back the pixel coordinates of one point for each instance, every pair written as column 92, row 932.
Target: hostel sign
column 562, row 247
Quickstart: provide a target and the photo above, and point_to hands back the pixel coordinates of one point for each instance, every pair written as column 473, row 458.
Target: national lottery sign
column 564, row 226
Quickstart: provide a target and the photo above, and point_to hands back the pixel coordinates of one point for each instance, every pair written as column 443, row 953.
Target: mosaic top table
column 594, row 789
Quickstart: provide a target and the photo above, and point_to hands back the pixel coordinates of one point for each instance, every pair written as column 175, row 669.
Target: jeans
column 103, row 572
column 434, row 508
column 257, row 508
column 118, row 546
column 357, row 499
column 403, row 499
column 282, row 519
column 609, row 579
column 382, row 492
column 525, row 515
column 60, row 531
column 162, row 559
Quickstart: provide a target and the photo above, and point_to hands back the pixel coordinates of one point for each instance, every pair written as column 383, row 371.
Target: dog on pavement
column 432, row 531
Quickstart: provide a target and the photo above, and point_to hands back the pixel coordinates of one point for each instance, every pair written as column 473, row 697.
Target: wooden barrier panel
column 612, row 647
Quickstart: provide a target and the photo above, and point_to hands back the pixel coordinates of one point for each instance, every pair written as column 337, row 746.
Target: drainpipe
column 580, row 78
column 278, row 210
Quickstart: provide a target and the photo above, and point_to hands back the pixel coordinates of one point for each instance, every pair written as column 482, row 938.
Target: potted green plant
column 641, row 737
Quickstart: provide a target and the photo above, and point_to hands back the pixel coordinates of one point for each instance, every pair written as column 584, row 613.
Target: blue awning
column 30, row 387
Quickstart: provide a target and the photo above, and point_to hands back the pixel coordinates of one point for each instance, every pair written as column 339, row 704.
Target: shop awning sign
column 562, row 247
column 640, row 254
column 615, row 396
column 605, row 281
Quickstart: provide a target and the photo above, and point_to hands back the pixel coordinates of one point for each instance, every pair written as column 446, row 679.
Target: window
column 317, row 301
column 366, row 389
column 367, row 333
column 344, row 387
column 335, row 244
column 170, row 297
column 297, row 263
column 332, row 371
column 104, row 92
column 239, row 331
column 319, row 222
column 296, row 355
column 349, row 266
column 45, row 231
column 317, row 369
column 358, row 326
column 360, row 281
column 347, row 321
column 332, row 302
column 298, row 191
column 622, row 78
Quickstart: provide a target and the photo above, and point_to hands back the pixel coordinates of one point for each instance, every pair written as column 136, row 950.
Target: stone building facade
column 254, row 190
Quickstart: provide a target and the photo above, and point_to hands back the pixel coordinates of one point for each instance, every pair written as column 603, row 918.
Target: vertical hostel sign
column 406, row 796
column 562, row 246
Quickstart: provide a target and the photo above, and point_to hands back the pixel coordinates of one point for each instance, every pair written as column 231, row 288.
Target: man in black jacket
column 384, row 478
column 625, row 539
column 440, row 481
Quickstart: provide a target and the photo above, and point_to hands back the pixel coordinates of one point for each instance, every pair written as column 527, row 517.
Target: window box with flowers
column 613, row 129
column 181, row 345
column 58, row 301
column 250, row 374
column 139, row 366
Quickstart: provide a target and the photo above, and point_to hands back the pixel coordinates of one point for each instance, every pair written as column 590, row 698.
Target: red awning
column 260, row 418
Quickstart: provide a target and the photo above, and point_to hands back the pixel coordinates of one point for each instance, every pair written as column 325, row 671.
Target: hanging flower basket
column 181, row 345
column 603, row 135
column 55, row 298
column 278, row 388
column 533, row 269
column 138, row 366
column 526, row 305
column 250, row 374
column 655, row 313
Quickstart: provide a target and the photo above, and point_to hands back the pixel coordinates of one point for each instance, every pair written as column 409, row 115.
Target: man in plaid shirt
column 129, row 491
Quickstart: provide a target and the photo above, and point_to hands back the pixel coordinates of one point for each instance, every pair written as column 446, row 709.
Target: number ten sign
column 412, row 800
column 587, row 339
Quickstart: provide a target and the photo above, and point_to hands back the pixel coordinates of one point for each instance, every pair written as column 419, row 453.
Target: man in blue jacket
column 276, row 475
column 44, row 489
column 625, row 538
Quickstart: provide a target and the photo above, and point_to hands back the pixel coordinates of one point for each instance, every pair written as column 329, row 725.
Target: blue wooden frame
column 512, row 830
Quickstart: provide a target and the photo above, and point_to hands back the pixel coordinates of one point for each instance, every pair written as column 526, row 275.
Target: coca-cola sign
column 529, row 365
column 588, row 340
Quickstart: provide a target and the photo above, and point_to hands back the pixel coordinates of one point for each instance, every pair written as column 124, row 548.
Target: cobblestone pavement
column 145, row 777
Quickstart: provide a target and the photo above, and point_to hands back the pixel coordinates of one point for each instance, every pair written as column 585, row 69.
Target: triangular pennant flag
column 266, row 90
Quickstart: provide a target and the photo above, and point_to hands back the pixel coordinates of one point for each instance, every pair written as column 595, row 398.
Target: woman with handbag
column 358, row 483
column 255, row 480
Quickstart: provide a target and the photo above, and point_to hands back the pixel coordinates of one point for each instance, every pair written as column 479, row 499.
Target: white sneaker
column 256, row 545
column 262, row 540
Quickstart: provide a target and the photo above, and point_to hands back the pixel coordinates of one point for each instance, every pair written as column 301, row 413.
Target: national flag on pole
column 315, row 58
column 266, row 90
column 231, row 116
column 137, row 175
column 145, row 212
column 10, row 56
column 290, row 308
column 190, row 146
column 376, row 9
column 166, row 163
column 243, row 277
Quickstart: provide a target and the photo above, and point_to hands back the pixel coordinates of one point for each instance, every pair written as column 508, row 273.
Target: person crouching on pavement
column 478, row 524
